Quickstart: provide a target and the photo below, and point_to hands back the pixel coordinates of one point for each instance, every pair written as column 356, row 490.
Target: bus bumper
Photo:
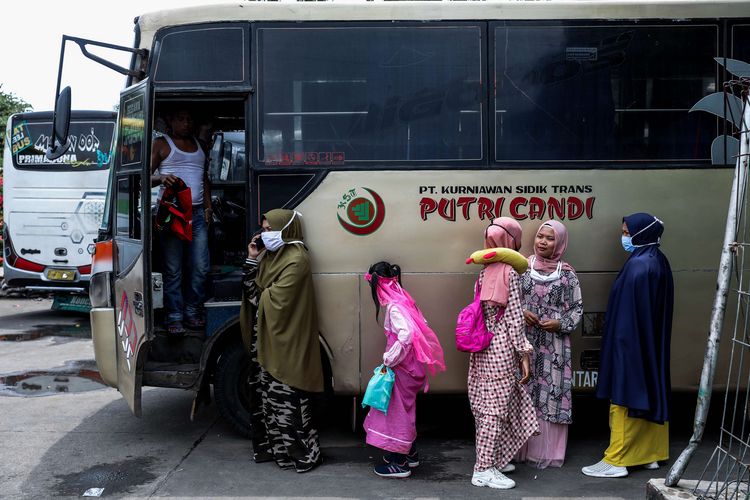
column 15, row 277
column 105, row 338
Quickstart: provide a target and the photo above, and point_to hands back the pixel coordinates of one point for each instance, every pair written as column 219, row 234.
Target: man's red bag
column 175, row 211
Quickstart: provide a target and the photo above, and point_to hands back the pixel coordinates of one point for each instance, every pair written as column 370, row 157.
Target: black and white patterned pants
column 281, row 419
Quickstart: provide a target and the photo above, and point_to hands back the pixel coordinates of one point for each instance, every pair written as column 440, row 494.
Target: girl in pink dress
column 412, row 349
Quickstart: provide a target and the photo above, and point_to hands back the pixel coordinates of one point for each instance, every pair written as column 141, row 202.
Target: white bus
column 53, row 209
column 398, row 130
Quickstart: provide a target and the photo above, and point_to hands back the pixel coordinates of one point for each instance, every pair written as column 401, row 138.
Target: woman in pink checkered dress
column 503, row 413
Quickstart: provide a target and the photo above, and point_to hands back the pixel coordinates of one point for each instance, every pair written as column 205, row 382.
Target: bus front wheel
column 232, row 387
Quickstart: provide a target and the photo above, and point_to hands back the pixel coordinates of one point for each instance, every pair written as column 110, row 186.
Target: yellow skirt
column 635, row 441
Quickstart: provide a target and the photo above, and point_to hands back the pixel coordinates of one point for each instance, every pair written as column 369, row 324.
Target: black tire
column 232, row 388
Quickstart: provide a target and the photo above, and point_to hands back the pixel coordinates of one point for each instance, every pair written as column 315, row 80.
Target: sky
column 31, row 32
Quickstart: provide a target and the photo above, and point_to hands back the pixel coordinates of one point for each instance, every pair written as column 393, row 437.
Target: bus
column 53, row 209
column 399, row 130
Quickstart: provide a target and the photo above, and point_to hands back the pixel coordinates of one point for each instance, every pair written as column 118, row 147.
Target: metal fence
column 726, row 474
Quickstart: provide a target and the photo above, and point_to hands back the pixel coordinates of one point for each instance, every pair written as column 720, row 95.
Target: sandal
column 175, row 328
column 195, row 323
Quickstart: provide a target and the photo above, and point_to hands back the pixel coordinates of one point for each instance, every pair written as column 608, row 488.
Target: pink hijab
column 561, row 244
column 502, row 232
column 425, row 343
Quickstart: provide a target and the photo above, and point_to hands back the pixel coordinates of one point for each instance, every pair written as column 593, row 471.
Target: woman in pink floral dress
column 503, row 414
column 552, row 310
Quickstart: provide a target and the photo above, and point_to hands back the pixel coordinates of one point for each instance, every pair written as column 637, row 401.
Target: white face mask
column 544, row 278
column 273, row 240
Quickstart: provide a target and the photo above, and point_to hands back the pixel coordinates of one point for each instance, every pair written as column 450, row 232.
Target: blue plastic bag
column 378, row 393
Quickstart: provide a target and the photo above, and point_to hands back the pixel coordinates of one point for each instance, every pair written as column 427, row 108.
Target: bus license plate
column 61, row 274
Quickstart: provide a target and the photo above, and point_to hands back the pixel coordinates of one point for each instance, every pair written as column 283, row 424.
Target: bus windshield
column 89, row 144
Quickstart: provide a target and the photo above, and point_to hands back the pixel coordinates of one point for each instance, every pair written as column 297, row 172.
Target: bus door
column 132, row 237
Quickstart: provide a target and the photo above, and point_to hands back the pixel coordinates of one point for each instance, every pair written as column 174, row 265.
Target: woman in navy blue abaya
column 634, row 369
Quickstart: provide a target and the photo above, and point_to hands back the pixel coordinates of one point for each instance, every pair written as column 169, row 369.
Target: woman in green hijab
column 280, row 329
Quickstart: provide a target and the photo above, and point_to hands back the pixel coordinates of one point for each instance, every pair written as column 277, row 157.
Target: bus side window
column 129, row 209
column 380, row 94
column 615, row 93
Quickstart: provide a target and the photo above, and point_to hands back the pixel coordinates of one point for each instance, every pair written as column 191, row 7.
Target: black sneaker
column 263, row 457
column 412, row 459
column 303, row 467
column 393, row 470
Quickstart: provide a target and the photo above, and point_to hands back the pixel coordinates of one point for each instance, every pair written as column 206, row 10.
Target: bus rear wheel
column 232, row 387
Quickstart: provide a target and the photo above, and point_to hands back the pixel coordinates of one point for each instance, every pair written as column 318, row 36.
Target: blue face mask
column 627, row 244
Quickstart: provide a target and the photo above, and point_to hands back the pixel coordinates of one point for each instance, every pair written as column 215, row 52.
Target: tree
column 9, row 104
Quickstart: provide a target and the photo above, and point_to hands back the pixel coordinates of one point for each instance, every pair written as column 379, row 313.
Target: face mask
column 627, row 244
column 273, row 240
column 544, row 278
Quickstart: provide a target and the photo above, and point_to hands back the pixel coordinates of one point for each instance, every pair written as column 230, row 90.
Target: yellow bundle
column 506, row 255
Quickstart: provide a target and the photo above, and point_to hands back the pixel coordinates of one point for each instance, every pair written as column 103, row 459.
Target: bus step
column 160, row 374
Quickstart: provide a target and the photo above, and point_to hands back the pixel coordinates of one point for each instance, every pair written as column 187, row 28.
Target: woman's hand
column 525, row 369
column 252, row 248
column 550, row 325
column 208, row 214
column 531, row 318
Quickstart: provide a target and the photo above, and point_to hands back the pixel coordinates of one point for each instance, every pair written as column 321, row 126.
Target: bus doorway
column 219, row 129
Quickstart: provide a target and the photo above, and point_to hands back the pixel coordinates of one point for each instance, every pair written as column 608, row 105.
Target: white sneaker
column 651, row 466
column 508, row 468
column 492, row 478
column 603, row 469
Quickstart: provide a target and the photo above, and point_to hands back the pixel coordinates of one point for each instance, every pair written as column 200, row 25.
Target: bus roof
column 441, row 10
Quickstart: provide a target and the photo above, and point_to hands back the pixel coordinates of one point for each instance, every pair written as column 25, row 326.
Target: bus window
column 380, row 94
column 603, row 93
column 128, row 218
column 123, row 207
column 216, row 55
column 89, row 146
column 740, row 48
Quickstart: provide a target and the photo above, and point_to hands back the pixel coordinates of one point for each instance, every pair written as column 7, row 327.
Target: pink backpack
column 471, row 331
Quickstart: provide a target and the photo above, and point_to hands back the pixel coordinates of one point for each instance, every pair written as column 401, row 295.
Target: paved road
column 67, row 442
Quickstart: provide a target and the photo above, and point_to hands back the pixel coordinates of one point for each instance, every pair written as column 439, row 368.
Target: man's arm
column 159, row 151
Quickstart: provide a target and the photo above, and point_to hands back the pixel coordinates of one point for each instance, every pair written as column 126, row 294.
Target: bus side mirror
column 61, row 124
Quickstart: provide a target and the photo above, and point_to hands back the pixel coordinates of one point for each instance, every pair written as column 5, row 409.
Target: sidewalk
column 65, row 443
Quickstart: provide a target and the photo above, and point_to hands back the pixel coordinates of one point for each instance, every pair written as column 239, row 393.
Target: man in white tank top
column 185, row 264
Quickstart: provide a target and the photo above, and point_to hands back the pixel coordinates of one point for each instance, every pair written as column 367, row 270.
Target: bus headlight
column 99, row 290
